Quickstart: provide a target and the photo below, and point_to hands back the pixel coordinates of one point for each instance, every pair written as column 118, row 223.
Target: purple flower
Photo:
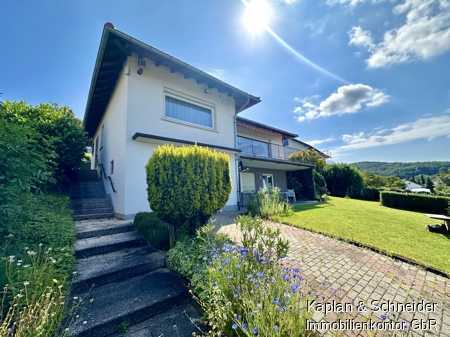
column 260, row 274
column 294, row 287
column 255, row 331
column 234, row 326
column 243, row 251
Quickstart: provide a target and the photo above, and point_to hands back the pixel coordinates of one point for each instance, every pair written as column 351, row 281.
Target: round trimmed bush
column 186, row 185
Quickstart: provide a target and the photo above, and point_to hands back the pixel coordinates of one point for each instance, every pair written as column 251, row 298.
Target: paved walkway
column 339, row 271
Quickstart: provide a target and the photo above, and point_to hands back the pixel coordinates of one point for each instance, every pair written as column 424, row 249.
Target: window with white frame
column 188, row 112
column 248, row 182
column 267, row 180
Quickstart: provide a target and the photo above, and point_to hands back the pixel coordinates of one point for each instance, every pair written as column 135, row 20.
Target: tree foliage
column 382, row 182
column 186, row 185
column 61, row 134
column 443, row 182
column 404, row 170
column 343, row 180
column 309, row 156
column 320, row 185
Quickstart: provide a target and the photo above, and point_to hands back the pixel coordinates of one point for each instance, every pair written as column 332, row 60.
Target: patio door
column 267, row 180
column 248, row 182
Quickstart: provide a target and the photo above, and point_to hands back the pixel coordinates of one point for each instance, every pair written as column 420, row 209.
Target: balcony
column 257, row 148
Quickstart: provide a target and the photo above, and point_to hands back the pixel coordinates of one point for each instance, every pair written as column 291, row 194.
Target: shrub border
column 395, row 256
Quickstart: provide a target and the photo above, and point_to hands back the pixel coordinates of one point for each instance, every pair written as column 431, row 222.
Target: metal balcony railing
column 257, row 148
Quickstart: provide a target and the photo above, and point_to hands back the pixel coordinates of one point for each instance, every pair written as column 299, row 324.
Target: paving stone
column 363, row 274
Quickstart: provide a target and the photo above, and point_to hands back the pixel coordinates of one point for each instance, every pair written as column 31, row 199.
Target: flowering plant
column 244, row 290
column 33, row 300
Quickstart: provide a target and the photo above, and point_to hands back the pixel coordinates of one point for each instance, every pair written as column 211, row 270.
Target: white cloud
column 423, row 128
column 347, row 99
column 424, row 34
column 290, row 2
column 353, row 3
column 361, row 38
column 316, row 142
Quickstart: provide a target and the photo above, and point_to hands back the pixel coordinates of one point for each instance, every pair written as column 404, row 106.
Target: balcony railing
column 257, row 148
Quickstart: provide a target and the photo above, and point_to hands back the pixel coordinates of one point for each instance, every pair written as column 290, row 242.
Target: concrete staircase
column 89, row 199
column 124, row 286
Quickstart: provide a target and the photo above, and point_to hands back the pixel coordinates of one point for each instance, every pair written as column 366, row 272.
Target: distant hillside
column 403, row 170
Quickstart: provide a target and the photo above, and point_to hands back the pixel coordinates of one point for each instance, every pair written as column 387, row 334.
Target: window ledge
column 181, row 122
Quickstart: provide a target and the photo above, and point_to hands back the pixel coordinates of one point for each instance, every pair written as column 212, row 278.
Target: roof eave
column 101, row 51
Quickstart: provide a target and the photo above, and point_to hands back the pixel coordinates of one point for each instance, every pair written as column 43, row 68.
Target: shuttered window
column 188, row 112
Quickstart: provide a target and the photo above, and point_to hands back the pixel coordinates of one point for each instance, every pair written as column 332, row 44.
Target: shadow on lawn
column 305, row 207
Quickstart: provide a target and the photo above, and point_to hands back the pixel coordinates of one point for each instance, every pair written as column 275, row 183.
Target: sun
column 257, row 16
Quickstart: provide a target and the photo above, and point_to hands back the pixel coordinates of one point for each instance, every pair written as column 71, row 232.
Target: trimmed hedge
column 370, row 194
column 154, row 230
column 415, row 202
column 187, row 185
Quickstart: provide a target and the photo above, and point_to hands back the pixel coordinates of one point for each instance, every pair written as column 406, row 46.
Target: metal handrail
column 104, row 175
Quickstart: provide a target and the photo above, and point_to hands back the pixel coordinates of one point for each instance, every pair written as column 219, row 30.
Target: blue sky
column 393, row 56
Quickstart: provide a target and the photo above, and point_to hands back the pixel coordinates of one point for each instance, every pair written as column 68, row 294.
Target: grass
column 37, row 265
column 395, row 232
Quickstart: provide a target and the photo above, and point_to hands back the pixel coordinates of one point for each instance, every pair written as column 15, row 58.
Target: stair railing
column 104, row 175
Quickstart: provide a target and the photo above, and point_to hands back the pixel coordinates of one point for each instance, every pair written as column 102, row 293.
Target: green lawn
column 393, row 231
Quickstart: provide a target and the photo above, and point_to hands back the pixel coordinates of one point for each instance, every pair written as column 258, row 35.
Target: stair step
column 178, row 321
column 88, row 206
column 116, row 266
column 94, row 216
column 90, row 194
column 87, row 229
column 130, row 302
column 88, row 201
column 93, row 210
column 107, row 244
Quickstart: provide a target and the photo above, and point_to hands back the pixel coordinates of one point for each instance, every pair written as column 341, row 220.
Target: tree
column 343, row 180
column 320, row 185
column 430, row 184
column 57, row 127
column 187, row 185
column 309, row 156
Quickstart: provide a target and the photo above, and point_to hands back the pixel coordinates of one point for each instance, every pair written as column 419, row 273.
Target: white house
column 415, row 188
column 141, row 97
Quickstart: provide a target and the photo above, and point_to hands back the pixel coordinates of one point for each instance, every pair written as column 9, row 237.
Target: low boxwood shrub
column 154, row 230
column 268, row 202
column 415, row 202
column 187, row 185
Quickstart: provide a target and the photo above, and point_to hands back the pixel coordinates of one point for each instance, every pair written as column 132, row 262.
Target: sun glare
column 257, row 16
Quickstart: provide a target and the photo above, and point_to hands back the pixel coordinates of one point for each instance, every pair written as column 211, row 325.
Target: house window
column 188, row 112
column 248, row 182
column 267, row 180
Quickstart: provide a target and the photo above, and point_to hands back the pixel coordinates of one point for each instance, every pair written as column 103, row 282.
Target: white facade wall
column 111, row 133
column 259, row 134
column 145, row 114
column 296, row 145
